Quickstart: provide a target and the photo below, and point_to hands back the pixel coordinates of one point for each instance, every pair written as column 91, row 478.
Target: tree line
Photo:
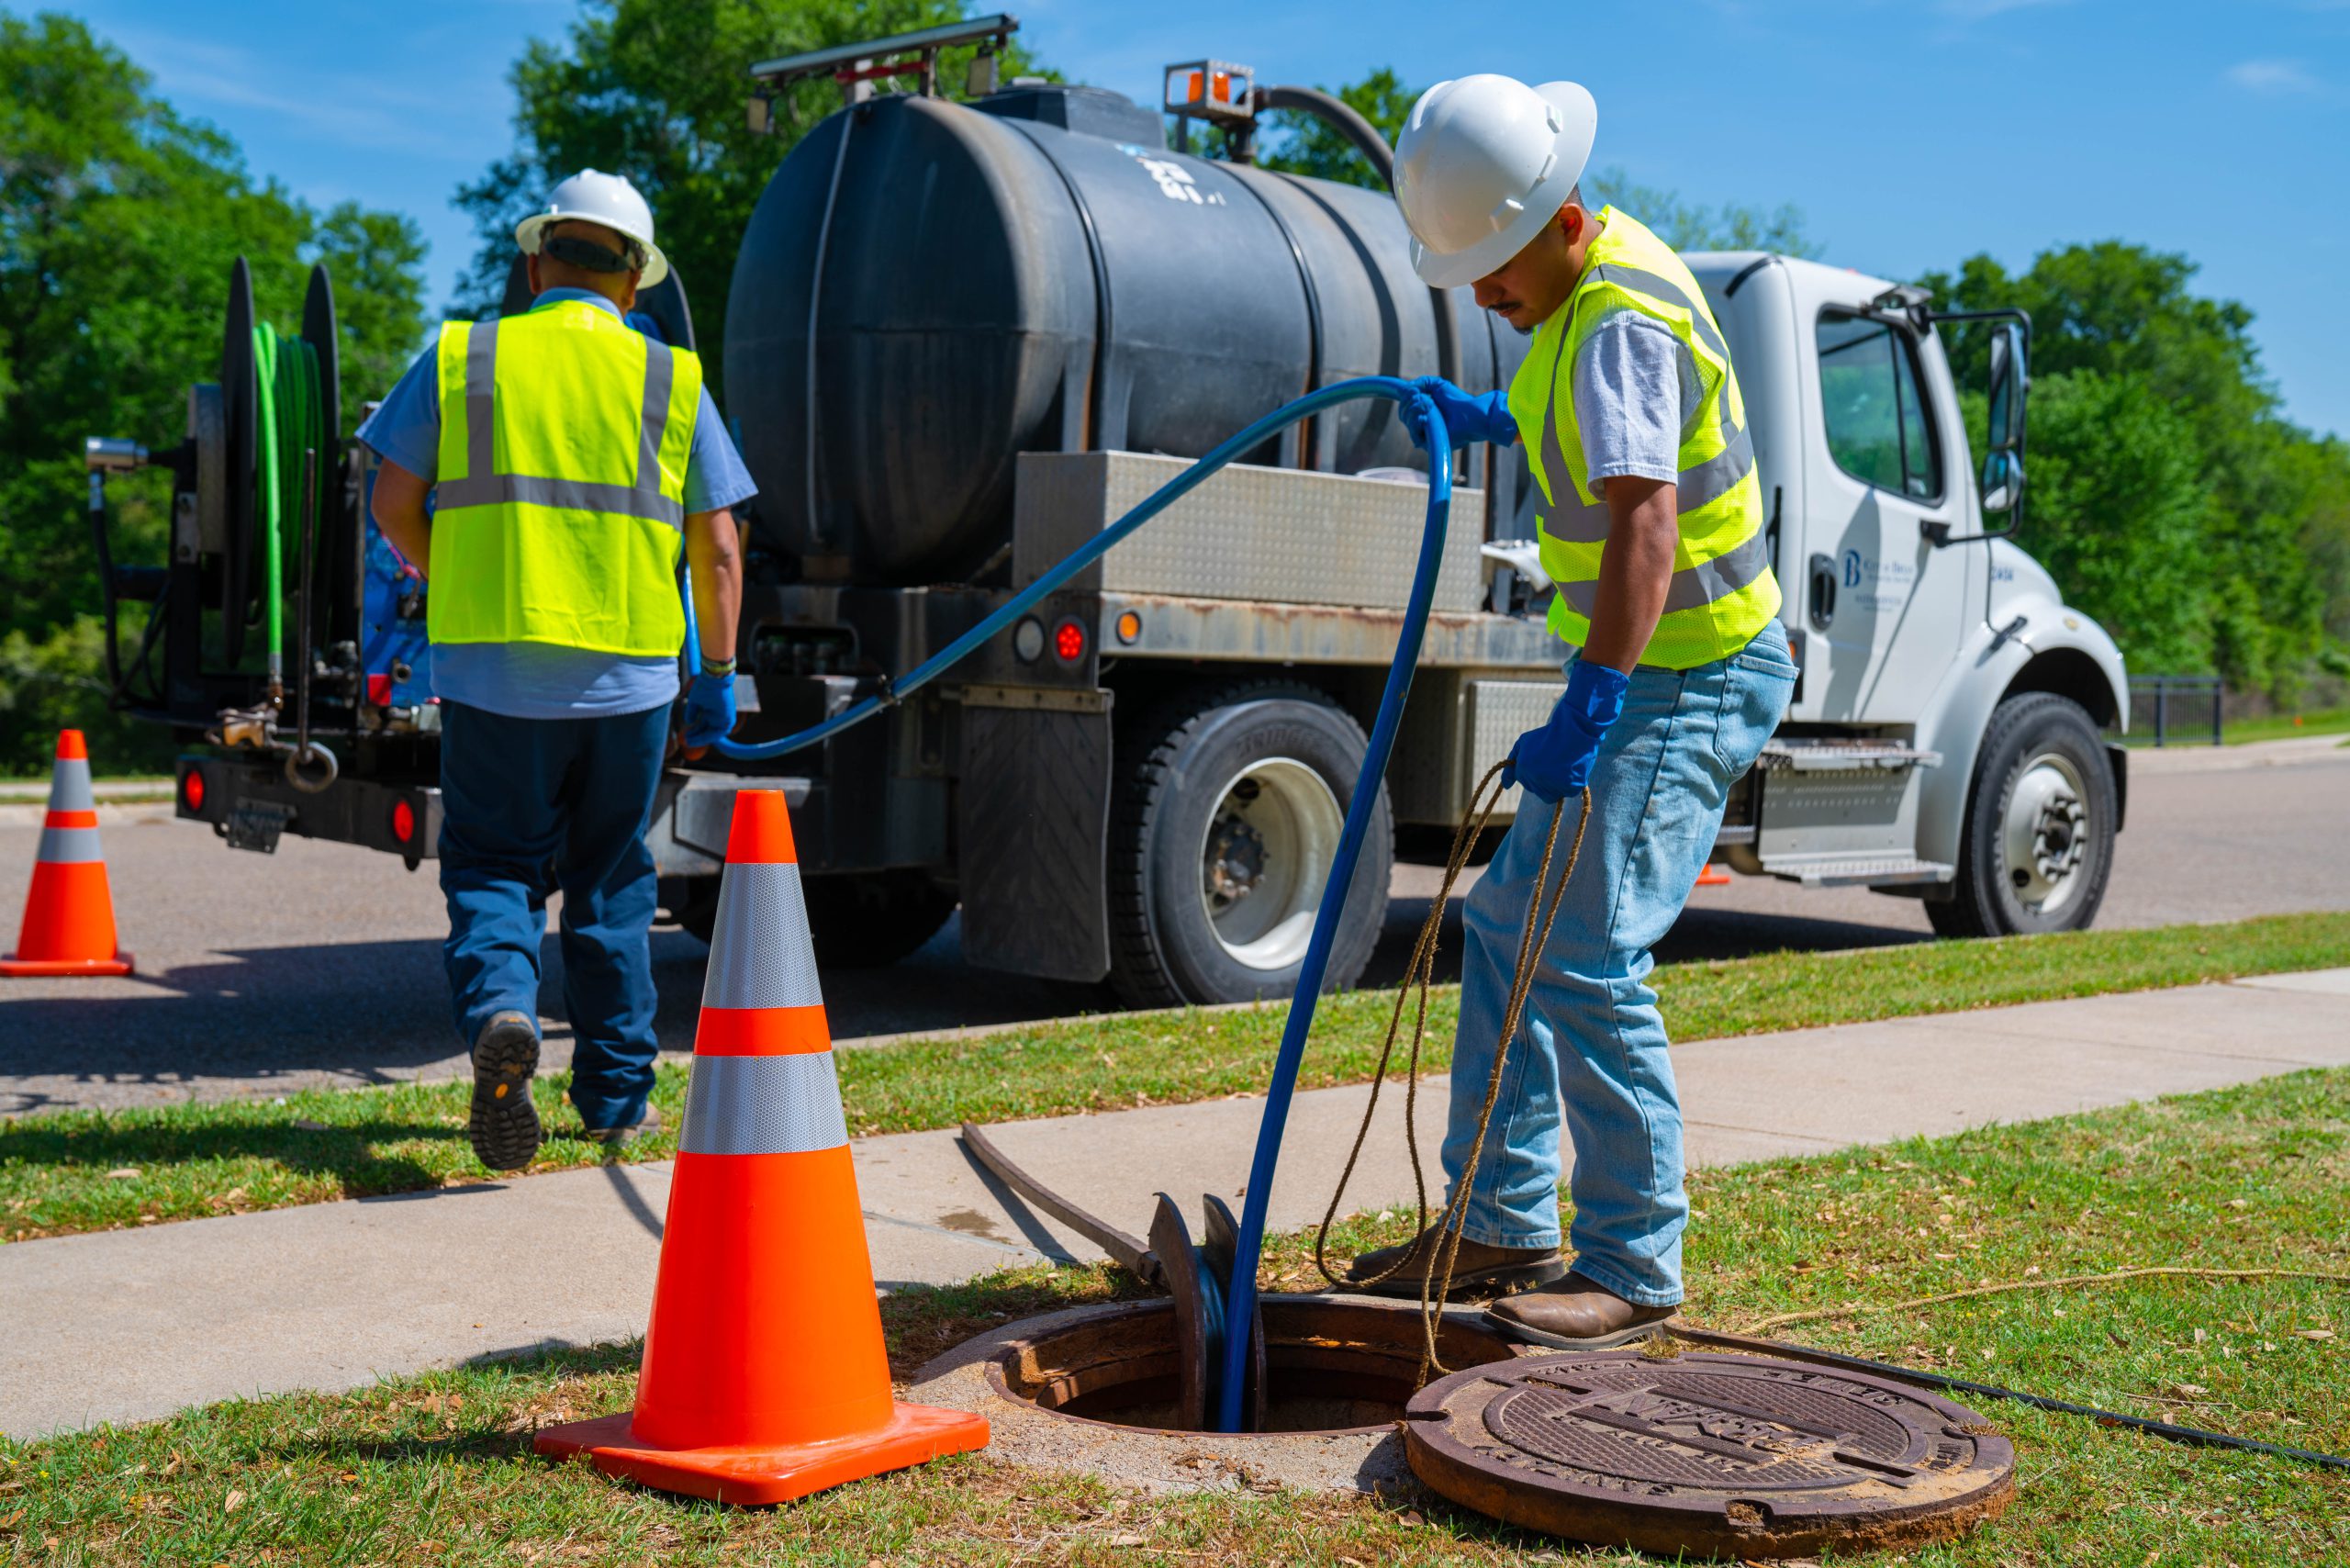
column 2168, row 491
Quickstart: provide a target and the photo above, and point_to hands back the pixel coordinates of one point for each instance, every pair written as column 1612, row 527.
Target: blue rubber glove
column 1554, row 762
column 1467, row 416
column 709, row 709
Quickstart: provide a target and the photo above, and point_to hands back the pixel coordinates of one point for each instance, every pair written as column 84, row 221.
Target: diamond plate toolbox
column 1257, row 533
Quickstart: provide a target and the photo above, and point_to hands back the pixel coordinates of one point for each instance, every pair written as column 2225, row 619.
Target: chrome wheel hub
column 2045, row 834
column 1265, row 859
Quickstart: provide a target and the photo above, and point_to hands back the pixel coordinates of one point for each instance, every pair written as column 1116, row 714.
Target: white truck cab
column 1943, row 740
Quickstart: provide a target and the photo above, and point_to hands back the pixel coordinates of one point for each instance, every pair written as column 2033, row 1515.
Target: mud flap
column 1032, row 824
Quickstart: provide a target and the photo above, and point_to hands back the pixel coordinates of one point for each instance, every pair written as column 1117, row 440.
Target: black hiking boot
column 503, row 1125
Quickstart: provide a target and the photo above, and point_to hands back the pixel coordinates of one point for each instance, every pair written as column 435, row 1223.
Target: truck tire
column 1226, row 817
column 2037, row 846
column 863, row 921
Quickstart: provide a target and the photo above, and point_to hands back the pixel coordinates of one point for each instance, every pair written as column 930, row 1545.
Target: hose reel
column 266, row 442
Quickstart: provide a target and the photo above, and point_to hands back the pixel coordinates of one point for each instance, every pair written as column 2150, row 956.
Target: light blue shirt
column 540, row 680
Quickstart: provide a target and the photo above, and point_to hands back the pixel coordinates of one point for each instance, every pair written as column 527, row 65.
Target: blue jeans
column 529, row 805
column 1590, row 1049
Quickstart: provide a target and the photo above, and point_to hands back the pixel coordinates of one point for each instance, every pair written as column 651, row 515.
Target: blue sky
column 1911, row 133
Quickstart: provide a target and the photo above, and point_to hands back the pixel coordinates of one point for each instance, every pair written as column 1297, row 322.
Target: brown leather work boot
column 1576, row 1315
column 1479, row 1271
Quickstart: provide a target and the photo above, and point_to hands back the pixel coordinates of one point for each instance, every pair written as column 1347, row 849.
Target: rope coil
column 1419, row 975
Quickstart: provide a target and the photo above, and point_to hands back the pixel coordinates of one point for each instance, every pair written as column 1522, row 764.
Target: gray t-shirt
column 1637, row 387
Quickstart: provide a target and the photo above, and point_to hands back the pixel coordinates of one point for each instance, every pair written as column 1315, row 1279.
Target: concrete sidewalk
column 129, row 1325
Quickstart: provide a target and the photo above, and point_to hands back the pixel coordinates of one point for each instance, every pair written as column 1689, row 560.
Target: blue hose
column 1241, row 1298
column 1092, row 550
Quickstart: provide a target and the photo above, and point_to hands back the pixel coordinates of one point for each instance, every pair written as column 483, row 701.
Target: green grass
column 437, row 1469
column 2285, row 726
column 2194, row 731
column 67, row 1171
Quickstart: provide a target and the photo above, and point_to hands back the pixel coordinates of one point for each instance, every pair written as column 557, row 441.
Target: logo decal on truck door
column 1888, row 582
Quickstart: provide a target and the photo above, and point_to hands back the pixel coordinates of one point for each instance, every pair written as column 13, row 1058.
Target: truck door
column 1879, row 601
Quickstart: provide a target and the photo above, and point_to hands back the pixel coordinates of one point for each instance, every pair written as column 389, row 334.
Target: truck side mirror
column 2011, row 379
column 2002, row 480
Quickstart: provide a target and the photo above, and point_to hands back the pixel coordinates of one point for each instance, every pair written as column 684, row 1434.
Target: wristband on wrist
column 717, row 667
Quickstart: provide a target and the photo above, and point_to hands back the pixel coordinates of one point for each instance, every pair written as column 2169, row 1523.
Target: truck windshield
column 1877, row 430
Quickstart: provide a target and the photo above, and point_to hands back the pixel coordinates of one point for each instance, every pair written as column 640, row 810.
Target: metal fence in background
column 2178, row 709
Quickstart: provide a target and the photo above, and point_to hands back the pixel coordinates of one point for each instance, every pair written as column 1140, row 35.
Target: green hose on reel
column 291, row 413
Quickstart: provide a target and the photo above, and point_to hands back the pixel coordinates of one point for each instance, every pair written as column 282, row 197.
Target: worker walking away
column 568, row 456
column 1633, row 424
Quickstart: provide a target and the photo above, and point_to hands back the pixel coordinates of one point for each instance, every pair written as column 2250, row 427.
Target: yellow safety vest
column 1723, row 591
column 559, row 511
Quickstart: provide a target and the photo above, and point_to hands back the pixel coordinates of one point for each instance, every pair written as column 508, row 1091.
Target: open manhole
column 1097, row 1389
column 1331, row 1364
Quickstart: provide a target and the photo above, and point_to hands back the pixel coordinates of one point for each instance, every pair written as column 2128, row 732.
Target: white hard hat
column 594, row 197
column 1482, row 164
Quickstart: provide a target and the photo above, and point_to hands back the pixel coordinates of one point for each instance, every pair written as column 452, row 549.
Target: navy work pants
column 531, row 805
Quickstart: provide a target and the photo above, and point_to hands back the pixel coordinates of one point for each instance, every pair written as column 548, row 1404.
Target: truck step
column 1804, row 755
column 1856, row 870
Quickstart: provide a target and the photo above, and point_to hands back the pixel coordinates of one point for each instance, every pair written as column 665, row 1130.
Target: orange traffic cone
column 764, row 1377
column 69, row 911
column 1713, row 877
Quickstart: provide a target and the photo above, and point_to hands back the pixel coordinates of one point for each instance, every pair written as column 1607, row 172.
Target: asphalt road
column 321, row 964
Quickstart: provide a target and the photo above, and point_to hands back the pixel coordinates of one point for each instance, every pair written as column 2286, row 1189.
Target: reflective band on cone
column 764, row 1376
column 69, row 909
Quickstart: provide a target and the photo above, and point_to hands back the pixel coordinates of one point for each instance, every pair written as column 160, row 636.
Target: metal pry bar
column 1127, row 1251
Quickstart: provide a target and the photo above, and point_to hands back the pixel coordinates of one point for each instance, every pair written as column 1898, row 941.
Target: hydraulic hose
column 1241, row 1298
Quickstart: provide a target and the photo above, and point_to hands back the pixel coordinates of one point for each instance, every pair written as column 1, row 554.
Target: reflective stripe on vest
column 560, row 500
column 1722, row 591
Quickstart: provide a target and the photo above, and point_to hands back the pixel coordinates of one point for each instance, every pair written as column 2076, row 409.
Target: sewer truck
column 964, row 337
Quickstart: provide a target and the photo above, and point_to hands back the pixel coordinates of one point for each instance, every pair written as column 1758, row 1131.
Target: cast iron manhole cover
column 1706, row 1453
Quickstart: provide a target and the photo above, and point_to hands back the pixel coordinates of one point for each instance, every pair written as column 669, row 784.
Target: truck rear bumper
column 248, row 802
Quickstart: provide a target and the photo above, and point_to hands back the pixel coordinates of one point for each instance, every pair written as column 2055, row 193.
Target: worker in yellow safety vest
column 571, row 457
column 1652, row 529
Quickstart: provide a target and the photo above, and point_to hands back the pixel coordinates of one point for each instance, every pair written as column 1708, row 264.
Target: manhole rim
column 993, row 1351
